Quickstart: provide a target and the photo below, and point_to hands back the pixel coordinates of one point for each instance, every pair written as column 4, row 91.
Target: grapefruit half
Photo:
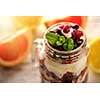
column 16, row 48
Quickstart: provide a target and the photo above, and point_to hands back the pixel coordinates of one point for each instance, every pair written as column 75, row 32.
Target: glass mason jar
column 63, row 66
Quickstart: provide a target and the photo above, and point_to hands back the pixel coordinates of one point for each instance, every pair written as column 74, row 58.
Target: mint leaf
column 62, row 39
column 52, row 38
column 58, row 43
column 69, row 44
column 65, row 46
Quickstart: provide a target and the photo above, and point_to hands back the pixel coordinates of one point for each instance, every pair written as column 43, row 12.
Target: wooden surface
column 27, row 73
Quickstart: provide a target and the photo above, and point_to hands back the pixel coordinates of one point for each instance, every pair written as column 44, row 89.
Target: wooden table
column 27, row 73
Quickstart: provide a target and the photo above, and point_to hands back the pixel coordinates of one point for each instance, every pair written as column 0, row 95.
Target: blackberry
column 79, row 42
column 59, row 31
column 75, row 26
column 75, row 45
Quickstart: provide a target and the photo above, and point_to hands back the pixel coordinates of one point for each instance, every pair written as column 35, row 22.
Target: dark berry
column 75, row 45
column 59, row 31
column 79, row 33
column 61, row 26
column 75, row 26
column 79, row 42
column 66, row 29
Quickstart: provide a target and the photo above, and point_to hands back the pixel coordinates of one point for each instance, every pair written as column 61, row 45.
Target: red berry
column 66, row 29
column 61, row 26
column 77, row 34
column 74, row 34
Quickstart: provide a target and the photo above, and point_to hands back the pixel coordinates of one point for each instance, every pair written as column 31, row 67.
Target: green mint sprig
column 57, row 40
column 52, row 38
column 69, row 44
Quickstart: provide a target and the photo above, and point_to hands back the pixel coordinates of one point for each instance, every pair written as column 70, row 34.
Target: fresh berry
column 75, row 26
column 75, row 45
column 66, row 29
column 65, row 38
column 77, row 34
column 61, row 26
column 59, row 31
column 74, row 34
column 69, row 34
column 79, row 42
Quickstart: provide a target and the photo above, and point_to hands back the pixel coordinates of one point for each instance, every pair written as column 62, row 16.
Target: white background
column 49, row 91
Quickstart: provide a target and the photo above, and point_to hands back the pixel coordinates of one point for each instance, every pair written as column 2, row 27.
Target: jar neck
column 60, row 56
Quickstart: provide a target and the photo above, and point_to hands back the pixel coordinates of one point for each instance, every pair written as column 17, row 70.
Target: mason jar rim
column 65, row 52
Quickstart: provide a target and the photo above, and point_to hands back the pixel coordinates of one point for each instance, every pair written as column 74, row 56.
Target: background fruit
column 16, row 48
column 94, row 57
column 26, row 21
column 33, row 22
column 80, row 20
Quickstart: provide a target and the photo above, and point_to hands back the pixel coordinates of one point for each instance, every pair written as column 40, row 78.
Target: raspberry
column 74, row 34
column 59, row 31
column 66, row 29
column 77, row 34
column 61, row 26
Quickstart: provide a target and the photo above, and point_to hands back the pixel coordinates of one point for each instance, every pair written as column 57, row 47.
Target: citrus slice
column 94, row 56
column 26, row 21
column 33, row 22
column 15, row 49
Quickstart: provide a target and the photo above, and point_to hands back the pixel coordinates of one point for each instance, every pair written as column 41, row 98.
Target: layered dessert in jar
column 63, row 58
